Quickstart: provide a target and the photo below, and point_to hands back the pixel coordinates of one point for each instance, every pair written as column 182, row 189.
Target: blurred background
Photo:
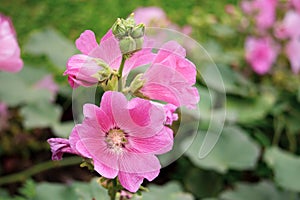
column 255, row 48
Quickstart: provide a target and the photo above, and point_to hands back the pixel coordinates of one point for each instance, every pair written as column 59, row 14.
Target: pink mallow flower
column 296, row 4
column 264, row 12
column 81, row 68
column 289, row 27
column 260, row 53
column 49, row 84
column 292, row 50
column 121, row 137
column 10, row 60
column 171, row 77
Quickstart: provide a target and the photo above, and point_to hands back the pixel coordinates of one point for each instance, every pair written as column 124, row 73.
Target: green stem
column 21, row 176
column 120, row 73
column 292, row 141
column 278, row 130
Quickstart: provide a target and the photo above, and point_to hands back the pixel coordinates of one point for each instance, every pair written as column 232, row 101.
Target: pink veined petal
column 98, row 150
column 108, row 35
column 104, row 170
column 169, row 48
column 132, row 181
column 132, row 162
column 74, row 138
column 90, row 129
column 59, row 146
column 106, row 106
column 160, row 143
column 139, row 111
column 124, row 121
column 86, row 42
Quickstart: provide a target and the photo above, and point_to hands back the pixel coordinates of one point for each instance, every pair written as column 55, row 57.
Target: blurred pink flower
column 3, row 116
column 296, row 4
column 10, row 60
column 151, row 16
column 289, row 27
column 264, row 12
column 292, row 51
column 156, row 17
column 82, row 67
column 49, row 84
column 260, row 53
column 171, row 77
column 122, row 138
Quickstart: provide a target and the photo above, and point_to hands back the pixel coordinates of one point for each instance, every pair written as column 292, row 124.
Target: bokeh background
column 257, row 155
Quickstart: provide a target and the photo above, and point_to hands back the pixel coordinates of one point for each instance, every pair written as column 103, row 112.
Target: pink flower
column 82, row 67
column 170, row 114
column 292, row 51
column 296, row 4
column 122, row 138
column 151, row 16
column 171, row 77
column 59, row 146
column 263, row 10
column 10, row 60
column 288, row 28
column 260, row 53
column 156, row 17
column 48, row 83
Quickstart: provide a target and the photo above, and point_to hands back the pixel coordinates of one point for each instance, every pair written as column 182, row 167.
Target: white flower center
column 116, row 140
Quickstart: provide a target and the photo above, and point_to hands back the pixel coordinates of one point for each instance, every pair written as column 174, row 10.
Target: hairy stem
column 23, row 175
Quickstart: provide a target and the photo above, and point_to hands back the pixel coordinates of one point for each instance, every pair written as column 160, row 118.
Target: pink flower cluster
column 273, row 35
column 10, row 60
column 122, row 137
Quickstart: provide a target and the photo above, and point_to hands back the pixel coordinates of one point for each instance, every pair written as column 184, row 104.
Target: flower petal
column 86, row 42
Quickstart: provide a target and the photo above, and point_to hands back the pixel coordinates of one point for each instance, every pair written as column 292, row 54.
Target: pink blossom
column 260, row 53
column 82, row 67
column 264, row 12
column 289, row 27
column 48, row 83
column 170, row 114
column 121, row 137
column 296, row 4
column 59, row 146
column 292, row 51
column 171, row 77
column 156, row 17
column 151, row 16
column 10, row 60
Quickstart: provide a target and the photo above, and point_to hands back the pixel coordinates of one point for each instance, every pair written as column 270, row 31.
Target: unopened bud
column 127, row 45
column 138, row 31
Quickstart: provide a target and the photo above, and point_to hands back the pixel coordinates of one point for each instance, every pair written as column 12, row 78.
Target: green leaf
column 63, row 129
column 286, row 168
column 57, row 191
column 40, row 114
column 264, row 190
column 250, row 110
column 234, row 150
column 16, row 89
column 51, row 43
column 170, row 191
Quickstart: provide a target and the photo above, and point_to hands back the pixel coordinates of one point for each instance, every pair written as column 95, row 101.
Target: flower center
column 116, row 140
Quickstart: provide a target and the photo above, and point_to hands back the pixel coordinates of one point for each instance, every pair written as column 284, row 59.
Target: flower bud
column 127, row 45
column 138, row 31
column 119, row 29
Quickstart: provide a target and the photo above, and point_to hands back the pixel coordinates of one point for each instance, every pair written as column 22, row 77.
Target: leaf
column 260, row 191
column 40, row 114
column 57, row 191
column 250, row 110
column 51, row 43
column 286, row 168
column 234, row 150
column 63, row 129
column 170, row 191
column 16, row 89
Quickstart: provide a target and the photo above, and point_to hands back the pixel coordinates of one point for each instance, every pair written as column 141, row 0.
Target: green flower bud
column 138, row 31
column 139, row 43
column 127, row 45
column 119, row 29
column 136, row 84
